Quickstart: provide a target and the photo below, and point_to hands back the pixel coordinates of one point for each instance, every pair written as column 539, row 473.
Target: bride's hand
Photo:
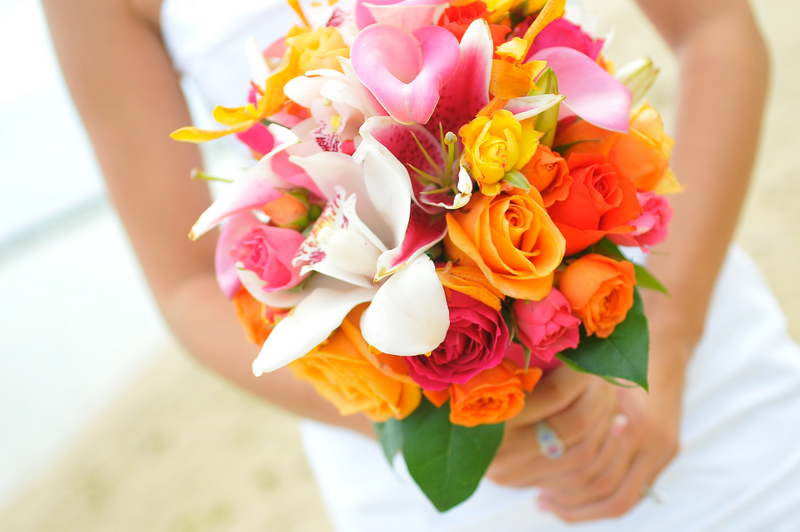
column 580, row 408
column 617, row 440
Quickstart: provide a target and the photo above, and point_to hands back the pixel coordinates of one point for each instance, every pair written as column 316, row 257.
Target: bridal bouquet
column 434, row 214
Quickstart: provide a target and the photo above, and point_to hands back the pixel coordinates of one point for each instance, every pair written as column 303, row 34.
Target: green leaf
column 623, row 355
column 515, row 178
column 645, row 279
column 608, row 249
column 447, row 461
column 390, row 434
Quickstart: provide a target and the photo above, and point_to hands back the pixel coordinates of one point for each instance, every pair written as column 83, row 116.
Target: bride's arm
column 128, row 95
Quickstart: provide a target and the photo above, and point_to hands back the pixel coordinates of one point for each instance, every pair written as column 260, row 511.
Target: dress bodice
column 206, row 41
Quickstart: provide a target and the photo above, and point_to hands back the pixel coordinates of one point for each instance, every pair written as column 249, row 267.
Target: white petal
column 409, row 314
column 330, row 170
column 388, row 185
column 350, row 251
column 259, row 70
column 528, row 106
column 312, row 321
column 304, row 90
column 280, row 299
column 248, row 187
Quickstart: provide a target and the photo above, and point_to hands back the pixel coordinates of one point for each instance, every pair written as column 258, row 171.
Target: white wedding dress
column 739, row 466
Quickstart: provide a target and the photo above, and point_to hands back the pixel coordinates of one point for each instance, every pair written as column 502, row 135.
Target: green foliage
column 446, row 461
column 390, row 434
column 623, row 355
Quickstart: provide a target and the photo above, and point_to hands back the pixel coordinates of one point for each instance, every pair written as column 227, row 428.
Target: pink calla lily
column 591, row 92
column 405, row 71
column 408, row 14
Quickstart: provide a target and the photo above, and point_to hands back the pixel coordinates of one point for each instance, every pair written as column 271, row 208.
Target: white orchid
column 367, row 246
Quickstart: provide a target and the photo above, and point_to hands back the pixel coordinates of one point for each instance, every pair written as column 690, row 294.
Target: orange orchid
column 305, row 50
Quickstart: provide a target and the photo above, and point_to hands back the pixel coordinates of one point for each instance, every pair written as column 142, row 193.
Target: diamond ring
column 550, row 444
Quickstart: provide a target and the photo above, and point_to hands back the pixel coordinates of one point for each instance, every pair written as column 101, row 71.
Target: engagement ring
column 549, row 443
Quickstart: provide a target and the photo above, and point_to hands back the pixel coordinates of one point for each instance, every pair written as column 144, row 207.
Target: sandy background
column 179, row 450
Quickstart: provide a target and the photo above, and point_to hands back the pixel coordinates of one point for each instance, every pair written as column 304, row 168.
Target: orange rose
column 644, row 152
column 493, row 396
column 340, row 370
column 548, row 173
column 600, row 292
column 257, row 319
column 510, row 238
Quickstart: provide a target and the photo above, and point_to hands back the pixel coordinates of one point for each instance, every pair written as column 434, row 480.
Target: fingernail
column 543, row 505
column 619, row 425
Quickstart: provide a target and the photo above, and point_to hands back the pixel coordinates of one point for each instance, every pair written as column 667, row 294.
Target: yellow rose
column 340, row 371
column 497, row 145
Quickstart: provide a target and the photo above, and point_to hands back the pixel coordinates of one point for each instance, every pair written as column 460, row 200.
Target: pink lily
column 361, row 248
column 432, row 163
column 405, row 71
column 591, row 92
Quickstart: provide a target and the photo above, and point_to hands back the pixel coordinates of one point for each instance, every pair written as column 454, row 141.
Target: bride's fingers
column 597, row 482
column 557, row 390
column 521, row 463
column 627, row 495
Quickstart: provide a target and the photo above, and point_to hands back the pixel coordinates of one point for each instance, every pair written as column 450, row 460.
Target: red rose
column 602, row 200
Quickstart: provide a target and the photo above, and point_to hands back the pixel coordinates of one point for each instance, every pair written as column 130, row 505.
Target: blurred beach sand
column 179, row 450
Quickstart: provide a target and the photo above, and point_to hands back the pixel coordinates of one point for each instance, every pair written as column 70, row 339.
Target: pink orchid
column 405, row 71
column 591, row 92
column 367, row 246
column 253, row 189
column 408, row 14
column 562, row 32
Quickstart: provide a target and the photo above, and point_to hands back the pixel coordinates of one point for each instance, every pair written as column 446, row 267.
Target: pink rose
column 547, row 327
column 651, row 226
column 477, row 340
column 268, row 252
column 562, row 32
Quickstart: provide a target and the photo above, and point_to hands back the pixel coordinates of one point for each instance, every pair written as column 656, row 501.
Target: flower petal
column 235, row 227
column 467, row 92
column 312, row 321
column 330, row 170
column 254, row 188
column 408, row 315
column 591, row 92
column 528, row 106
column 405, row 71
column 388, row 186
column 424, row 230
